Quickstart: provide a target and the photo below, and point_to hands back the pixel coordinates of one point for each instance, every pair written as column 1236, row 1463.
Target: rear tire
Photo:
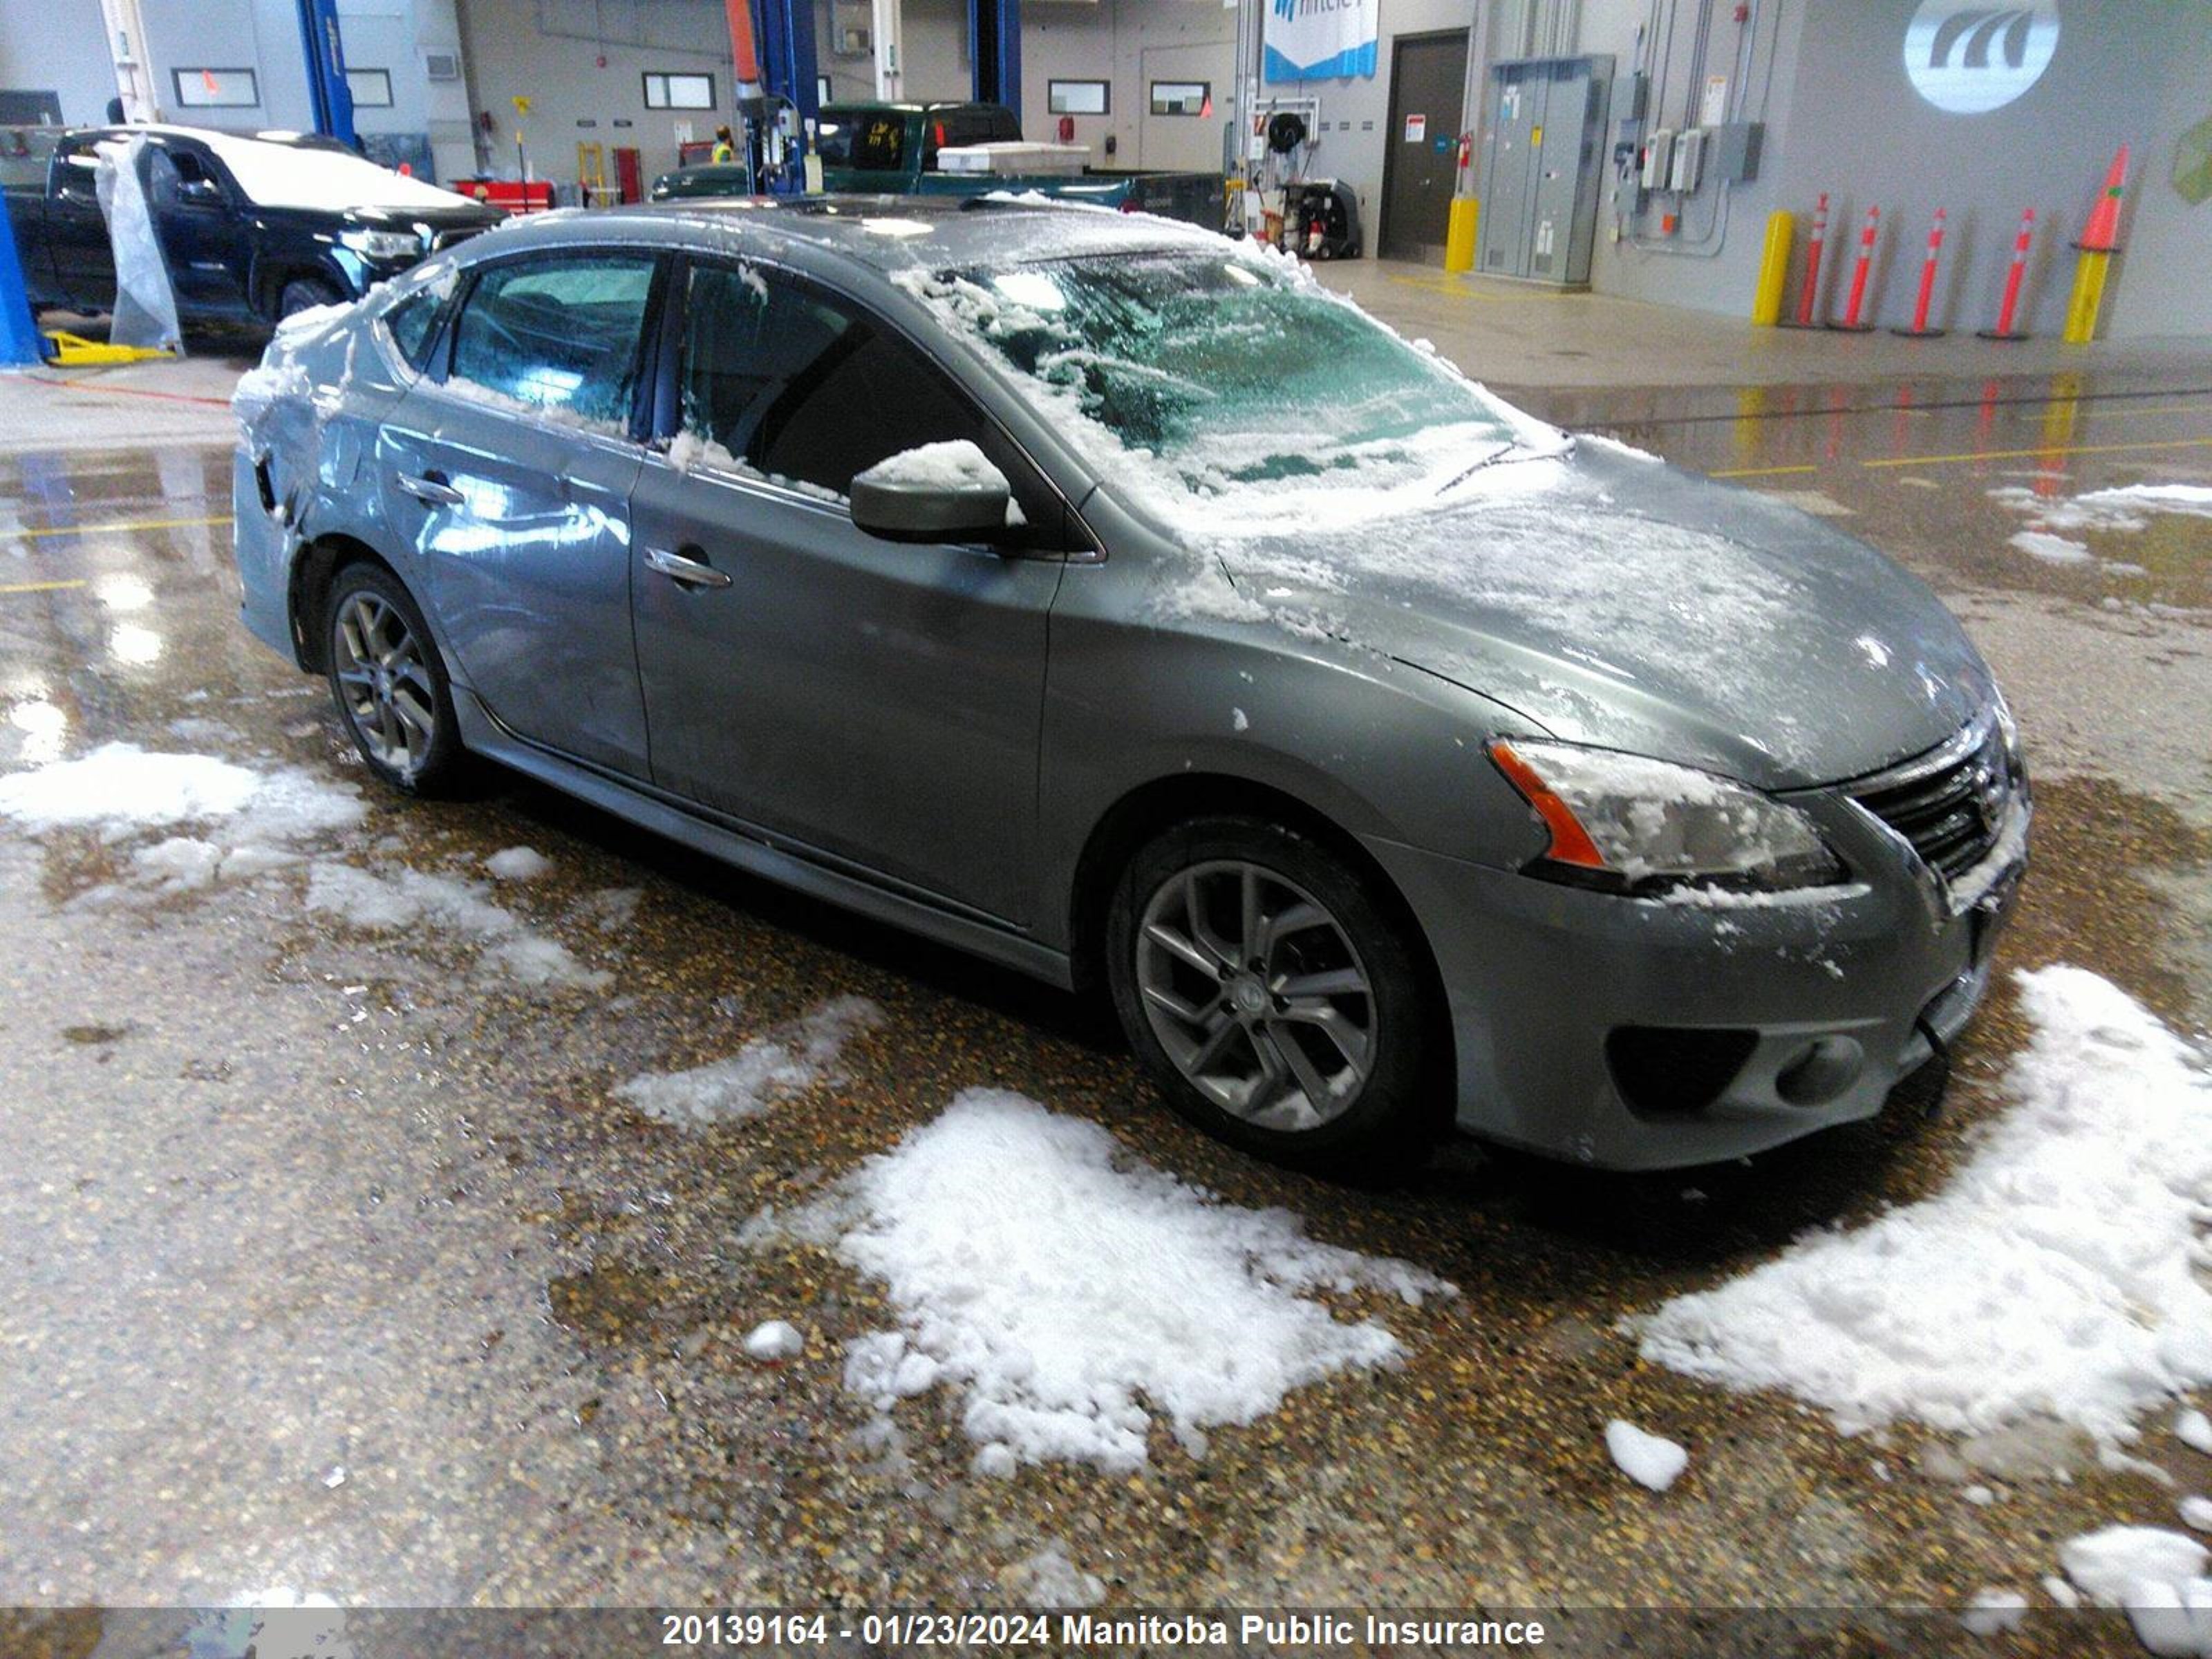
column 1276, row 999
column 305, row 294
column 390, row 686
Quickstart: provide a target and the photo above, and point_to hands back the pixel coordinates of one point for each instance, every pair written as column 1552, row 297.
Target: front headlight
column 382, row 243
column 1625, row 824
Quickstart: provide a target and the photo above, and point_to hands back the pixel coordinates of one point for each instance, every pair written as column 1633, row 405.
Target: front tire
column 390, row 687
column 305, row 294
column 1275, row 998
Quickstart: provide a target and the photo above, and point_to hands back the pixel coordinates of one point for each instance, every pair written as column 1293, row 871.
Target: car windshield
column 1233, row 373
column 867, row 141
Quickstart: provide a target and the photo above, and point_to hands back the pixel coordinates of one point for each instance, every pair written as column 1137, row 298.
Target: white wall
column 550, row 50
column 1130, row 43
column 58, row 46
column 1843, row 117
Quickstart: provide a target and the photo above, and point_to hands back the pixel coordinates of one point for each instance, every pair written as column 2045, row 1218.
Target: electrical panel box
column 1733, row 155
column 1658, row 160
column 1545, row 154
column 1685, row 171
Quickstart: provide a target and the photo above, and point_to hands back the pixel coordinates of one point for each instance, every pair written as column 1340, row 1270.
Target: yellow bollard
column 1459, row 236
column 2088, row 296
column 1773, row 269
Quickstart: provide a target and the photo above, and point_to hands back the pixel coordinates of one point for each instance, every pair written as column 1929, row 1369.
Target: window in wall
column 1078, row 97
column 1182, row 97
column 216, row 88
column 678, row 91
column 371, row 88
column 559, row 335
column 821, row 89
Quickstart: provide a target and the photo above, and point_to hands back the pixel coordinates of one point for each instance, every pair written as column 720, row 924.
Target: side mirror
column 947, row 492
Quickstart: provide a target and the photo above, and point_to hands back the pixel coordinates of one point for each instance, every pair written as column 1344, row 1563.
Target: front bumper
column 1824, row 1001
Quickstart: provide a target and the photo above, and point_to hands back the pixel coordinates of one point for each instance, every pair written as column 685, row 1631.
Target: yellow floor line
column 111, row 529
column 2040, row 449
column 41, row 587
column 1976, row 455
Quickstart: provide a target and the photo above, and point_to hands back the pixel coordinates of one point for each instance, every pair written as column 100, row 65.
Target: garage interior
column 350, row 1277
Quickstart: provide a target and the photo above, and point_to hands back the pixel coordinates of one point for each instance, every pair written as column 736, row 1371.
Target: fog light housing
column 1668, row 1070
column 1821, row 1072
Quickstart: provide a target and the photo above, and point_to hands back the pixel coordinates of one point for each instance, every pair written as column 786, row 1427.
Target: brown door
column 1420, row 152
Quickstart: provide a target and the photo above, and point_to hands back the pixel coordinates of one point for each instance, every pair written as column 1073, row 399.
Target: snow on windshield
column 303, row 176
column 1227, row 380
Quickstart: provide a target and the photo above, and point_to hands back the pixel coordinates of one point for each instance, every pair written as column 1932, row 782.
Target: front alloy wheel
column 1280, row 996
column 1257, row 995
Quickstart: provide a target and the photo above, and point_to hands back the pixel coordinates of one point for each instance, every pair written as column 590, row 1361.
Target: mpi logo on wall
column 1319, row 40
column 1970, row 58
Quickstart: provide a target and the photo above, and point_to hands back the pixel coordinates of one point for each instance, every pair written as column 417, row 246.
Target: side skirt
column 483, row 734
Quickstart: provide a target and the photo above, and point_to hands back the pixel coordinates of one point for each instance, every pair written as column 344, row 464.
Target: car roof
column 886, row 233
column 171, row 130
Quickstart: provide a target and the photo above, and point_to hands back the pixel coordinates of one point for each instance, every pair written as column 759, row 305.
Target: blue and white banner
column 1319, row 40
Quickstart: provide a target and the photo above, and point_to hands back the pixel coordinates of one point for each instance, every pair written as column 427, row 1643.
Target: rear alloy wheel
column 390, row 687
column 305, row 294
column 1275, row 1001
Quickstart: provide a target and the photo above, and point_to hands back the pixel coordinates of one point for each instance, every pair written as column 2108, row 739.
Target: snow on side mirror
column 945, row 492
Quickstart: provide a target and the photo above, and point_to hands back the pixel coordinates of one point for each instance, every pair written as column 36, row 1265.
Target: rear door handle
column 432, row 488
column 691, row 573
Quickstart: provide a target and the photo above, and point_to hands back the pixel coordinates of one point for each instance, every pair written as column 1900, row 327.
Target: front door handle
column 432, row 488
column 691, row 573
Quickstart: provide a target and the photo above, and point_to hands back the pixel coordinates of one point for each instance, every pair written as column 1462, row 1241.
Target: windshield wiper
column 1505, row 451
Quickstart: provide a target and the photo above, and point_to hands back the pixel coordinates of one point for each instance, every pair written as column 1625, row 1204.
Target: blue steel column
column 19, row 339
column 995, row 28
column 326, row 83
column 787, row 53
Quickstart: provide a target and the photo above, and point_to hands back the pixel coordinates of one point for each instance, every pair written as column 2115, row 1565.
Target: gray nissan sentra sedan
column 1107, row 598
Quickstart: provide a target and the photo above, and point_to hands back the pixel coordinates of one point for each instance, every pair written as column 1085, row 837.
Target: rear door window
column 781, row 379
column 557, row 337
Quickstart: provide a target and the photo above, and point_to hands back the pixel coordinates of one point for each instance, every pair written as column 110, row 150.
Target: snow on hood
column 299, row 176
column 1617, row 602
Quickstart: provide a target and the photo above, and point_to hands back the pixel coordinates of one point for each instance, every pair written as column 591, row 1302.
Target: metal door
column 1421, row 151
column 1180, row 144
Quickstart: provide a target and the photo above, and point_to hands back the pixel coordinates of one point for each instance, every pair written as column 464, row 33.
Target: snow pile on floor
column 2158, row 1577
column 786, row 1061
column 250, row 822
column 1070, row 1295
column 2059, row 1275
column 1050, row 1579
column 772, row 1340
column 2051, row 550
column 519, row 863
column 2195, row 1430
column 1992, row 1612
column 2196, row 1512
column 1649, row 1460
column 119, row 786
column 410, row 898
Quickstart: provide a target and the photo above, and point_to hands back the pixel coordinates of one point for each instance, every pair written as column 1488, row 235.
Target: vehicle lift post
column 995, row 28
column 782, row 34
column 19, row 340
column 327, row 91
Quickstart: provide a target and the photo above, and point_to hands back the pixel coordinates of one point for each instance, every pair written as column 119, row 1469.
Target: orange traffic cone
column 2102, row 232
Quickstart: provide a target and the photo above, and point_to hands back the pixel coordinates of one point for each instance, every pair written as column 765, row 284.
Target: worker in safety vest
column 725, row 148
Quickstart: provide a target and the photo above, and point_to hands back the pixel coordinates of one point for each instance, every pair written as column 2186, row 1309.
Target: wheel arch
column 314, row 572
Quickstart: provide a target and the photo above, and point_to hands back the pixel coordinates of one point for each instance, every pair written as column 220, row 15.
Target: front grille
column 1666, row 1070
column 1951, row 803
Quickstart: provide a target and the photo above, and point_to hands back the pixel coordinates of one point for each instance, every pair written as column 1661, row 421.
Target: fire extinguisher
column 1466, row 150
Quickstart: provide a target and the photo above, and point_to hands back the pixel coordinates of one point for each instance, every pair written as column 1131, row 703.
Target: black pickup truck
column 252, row 228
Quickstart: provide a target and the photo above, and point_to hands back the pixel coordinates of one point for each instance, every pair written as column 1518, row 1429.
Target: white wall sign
column 1319, row 40
column 1968, row 58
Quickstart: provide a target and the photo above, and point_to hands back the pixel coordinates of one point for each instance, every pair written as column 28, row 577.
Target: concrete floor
column 340, row 1272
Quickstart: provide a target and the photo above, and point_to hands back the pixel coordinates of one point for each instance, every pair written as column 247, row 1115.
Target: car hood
column 1612, row 600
